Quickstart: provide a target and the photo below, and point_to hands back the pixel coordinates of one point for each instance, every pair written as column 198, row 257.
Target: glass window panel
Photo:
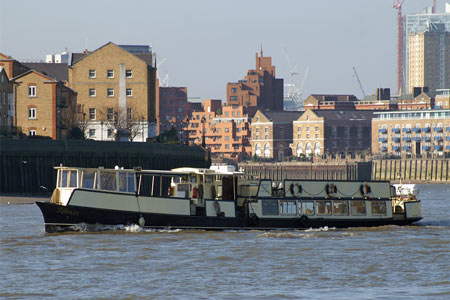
column 379, row 208
column 323, row 207
column 65, row 175
column 88, row 179
column 358, row 208
column 340, row 208
column 307, row 208
column 288, row 207
column 108, row 181
column 73, row 179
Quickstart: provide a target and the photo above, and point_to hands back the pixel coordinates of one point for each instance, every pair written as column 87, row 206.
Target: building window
column 258, row 150
column 92, row 93
column 32, row 113
column 233, row 98
column 110, row 92
column 32, row 132
column 32, row 91
column 91, row 113
column 266, row 130
column 129, row 113
column 266, row 137
column 110, row 114
column 92, row 74
column 129, row 93
column 266, row 150
column 109, row 133
column 128, row 74
column 233, row 90
column 110, row 73
column 91, row 132
column 299, row 129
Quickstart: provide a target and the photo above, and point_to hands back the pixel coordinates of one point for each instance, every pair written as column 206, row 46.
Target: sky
column 207, row 43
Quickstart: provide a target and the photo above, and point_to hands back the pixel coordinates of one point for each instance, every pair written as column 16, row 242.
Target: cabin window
column 378, row 208
column 68, row 178
column 307, row 208
column 265, row 188
column 288, row 207
column 358, row 208
column 108, row 181
column 323, row 207
column 340, row 208
column 209, row 179
column 269, row 207
column 88, row 179
column 126, row 182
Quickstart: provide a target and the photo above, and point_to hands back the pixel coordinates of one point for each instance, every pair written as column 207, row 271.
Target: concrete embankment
column 19, row 199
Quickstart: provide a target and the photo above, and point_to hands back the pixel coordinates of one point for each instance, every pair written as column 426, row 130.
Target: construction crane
column 165, row 81
column 359, row 82
column 434, row 7
column 398, row 6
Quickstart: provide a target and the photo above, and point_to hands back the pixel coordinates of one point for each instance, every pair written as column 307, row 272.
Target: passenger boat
column 219, row 199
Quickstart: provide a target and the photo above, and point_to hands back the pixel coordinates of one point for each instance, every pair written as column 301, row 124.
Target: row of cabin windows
column 110, row 74
column 322, row 208
column 110, row 92
column 104, row 180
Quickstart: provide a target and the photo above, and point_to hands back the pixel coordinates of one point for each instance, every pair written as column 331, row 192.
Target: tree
column 123, row 125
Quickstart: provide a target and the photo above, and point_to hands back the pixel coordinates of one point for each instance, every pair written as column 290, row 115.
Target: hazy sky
column 208, row 43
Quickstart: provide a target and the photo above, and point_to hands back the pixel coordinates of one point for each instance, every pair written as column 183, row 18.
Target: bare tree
column 129, row 124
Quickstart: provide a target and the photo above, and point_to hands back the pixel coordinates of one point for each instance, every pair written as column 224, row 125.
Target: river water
column 390, row 262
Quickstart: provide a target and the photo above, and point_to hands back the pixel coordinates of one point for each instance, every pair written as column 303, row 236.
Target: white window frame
column 129, row 73
column 95, row 114
column 32, row 91
column 110, row 92
column 94, row 94
column 129, row 92
column 92, row 74
column 32, row 113
column 31, row 132
column 92, row 132
column 110, row 73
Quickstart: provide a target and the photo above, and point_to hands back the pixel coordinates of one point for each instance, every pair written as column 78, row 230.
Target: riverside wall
column 27, row 166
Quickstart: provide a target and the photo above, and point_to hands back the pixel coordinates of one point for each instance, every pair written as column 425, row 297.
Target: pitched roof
column 54, row 70
column 282, row 116
column 344, row 114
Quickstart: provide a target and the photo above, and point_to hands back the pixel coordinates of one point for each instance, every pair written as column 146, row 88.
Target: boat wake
column 434, row 223
column 307, row 233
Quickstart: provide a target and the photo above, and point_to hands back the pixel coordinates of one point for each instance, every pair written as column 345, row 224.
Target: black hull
column 59, row 218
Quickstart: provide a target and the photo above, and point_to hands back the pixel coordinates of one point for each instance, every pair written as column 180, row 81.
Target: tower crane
column 398, row 6
column 359, row 82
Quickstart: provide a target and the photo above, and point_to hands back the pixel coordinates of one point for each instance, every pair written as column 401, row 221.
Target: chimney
column 86, row 51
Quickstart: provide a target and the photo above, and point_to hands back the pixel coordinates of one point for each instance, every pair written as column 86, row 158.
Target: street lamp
column 203, row 132
column 142, row 123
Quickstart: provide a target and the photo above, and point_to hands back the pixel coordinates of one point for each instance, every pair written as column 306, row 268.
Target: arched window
column 299, row 149
column 266, row 150
column 258, row 150
column 308, row 149
column 317, row 149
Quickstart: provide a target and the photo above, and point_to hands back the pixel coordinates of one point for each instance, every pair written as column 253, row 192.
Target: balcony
column 417, row 138
column 426, row 139
column 447, row 128
column 384, row 149
column 406, row 139
column 396, row 148
column 437, row 147
column 396, row 140
column 383, row 140
column 426, row 148
column 438, row 138
column 406, row 148
column 426, row 129
column 447, row 138
column 416, row 130
column 447, row 147
column 382, row 130
column 437, row 129
column 406, row 130
column 396, row 130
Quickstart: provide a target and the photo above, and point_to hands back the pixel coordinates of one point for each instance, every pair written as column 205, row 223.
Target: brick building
column 174, row 107
column 413, row 133
column 317, row 132
column 259, row 87
column 223, row 130
column 272, row 133
column 45, row 106
column 117, row 92
column 6, row 104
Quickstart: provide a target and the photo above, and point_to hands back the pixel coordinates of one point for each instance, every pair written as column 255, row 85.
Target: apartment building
column 259, row 88
column 174, row 107
column 429, row 62
column 223, row 130
column 413, row 133
column 318, row 132
column 6, row 104
column 330, row 102
column 272, row 133
column 44, row 105
column 117, row 92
